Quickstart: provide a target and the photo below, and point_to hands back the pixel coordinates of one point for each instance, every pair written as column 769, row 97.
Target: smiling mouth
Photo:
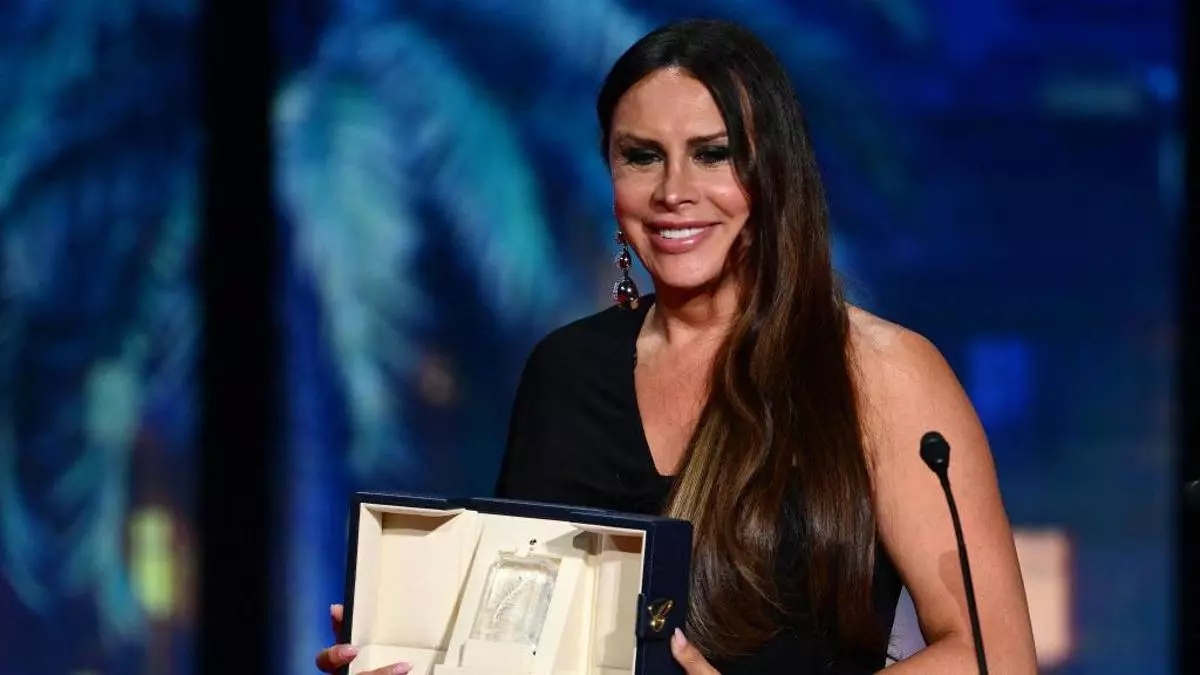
column 676, row 238
column 680, row 233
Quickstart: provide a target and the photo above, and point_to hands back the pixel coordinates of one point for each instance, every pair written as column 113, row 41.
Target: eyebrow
column 626, row 137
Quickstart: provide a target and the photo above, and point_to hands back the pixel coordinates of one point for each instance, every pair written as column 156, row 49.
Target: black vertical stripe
column 239, row 367
column 1189, row 373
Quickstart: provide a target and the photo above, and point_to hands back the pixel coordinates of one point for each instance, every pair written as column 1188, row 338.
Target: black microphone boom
column 935, row 451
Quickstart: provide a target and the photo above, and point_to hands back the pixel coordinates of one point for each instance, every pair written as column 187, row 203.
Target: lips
column 678, row 237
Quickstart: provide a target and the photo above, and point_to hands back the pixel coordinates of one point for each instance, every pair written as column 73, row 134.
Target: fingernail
column 331, row 608
column 401, row 669
column 349, row 651
column 680, row 641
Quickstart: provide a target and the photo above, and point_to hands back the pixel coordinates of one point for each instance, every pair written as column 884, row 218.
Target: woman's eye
column 639, row 157
column 713, row 155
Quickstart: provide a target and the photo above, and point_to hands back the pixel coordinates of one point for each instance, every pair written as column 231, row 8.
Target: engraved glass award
column 516, row 598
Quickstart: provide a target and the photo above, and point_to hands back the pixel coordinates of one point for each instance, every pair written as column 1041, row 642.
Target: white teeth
column 680, row 234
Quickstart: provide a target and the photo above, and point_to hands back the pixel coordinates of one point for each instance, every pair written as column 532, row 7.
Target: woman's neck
column 682, row 318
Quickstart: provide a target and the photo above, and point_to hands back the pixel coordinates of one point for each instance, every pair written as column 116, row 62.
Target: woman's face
column 677, row 196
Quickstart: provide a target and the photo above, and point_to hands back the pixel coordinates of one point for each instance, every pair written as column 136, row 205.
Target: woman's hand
column 689, row 657
column 332, row 658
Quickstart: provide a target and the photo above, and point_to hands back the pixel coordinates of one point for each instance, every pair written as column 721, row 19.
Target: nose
column 676, row 186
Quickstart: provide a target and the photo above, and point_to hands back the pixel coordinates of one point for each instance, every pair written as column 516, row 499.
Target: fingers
column 335, row 618
column 394, row 669
column 689, row 657
column 335, row 657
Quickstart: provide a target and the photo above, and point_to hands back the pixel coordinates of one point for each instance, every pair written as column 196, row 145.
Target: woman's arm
column 909, row 389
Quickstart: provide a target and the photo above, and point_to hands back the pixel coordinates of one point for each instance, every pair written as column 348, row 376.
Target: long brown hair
column 782, row 420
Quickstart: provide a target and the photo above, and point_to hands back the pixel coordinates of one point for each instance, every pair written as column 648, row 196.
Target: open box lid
column 659, row 607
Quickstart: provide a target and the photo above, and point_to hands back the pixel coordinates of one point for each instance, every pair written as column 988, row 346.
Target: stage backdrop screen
column 1003, row 178
column 99, row 335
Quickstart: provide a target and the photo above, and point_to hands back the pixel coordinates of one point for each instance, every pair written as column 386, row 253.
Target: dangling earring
column 625, row 292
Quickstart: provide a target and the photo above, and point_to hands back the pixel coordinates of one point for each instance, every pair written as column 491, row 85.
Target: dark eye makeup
column 710, row 154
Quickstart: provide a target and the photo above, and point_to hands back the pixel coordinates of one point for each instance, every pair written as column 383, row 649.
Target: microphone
column 935, row 451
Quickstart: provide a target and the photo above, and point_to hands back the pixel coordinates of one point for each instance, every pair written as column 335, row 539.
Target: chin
column 686, row 280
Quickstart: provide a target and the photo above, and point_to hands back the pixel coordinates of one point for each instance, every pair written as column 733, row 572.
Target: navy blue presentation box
column 503, row 587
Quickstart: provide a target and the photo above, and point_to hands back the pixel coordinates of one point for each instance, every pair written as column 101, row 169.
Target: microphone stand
column 935, row 451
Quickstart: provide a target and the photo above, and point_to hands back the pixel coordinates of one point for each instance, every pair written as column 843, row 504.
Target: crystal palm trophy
column 516, row 599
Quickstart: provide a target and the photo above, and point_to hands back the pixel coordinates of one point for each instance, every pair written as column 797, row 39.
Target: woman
column 746, row 396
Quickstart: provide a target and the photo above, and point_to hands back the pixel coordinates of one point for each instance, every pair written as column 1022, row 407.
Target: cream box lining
column 422, row 576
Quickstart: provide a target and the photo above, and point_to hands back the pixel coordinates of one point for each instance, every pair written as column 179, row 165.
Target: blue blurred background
column 1005, row 177
column 99, row 135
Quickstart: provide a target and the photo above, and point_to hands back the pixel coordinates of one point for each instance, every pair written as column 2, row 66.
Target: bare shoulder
column 906, row 388
column 873, row 337
column 892, row 361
